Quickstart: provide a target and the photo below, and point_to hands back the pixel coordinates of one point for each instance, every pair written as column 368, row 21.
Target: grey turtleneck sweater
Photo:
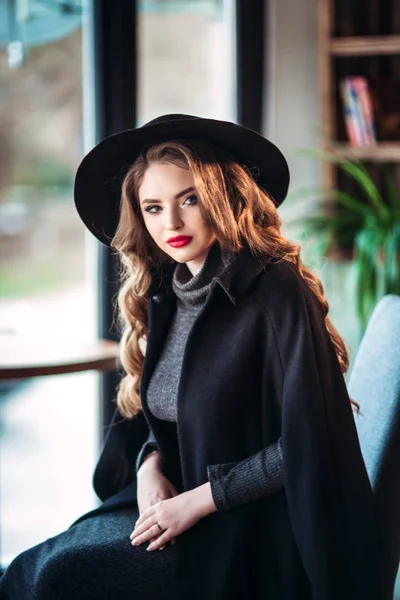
column 231, row 483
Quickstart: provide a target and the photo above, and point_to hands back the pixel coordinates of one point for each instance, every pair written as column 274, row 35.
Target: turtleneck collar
column 193, row 290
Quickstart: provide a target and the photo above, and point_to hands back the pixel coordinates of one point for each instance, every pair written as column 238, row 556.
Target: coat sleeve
column 149, row 446
column 328, row 492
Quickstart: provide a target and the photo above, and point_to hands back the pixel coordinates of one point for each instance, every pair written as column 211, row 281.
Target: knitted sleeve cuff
column 233, row 484
column 215, row 474
column 147, row 448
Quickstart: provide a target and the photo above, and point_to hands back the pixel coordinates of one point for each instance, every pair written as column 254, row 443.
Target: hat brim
column 99, row 177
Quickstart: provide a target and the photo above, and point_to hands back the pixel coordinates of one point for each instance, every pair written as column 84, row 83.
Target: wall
column 292, row 121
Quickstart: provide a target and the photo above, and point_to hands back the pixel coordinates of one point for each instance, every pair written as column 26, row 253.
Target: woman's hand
column 173, row 516
column 153, row 486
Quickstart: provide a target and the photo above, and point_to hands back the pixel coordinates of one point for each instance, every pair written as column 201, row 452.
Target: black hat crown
column 99, row 178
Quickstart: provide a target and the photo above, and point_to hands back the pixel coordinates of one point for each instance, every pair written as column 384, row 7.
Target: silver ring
column 160, row 528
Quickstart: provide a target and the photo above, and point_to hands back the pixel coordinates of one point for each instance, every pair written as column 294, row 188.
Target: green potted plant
column 368, row 224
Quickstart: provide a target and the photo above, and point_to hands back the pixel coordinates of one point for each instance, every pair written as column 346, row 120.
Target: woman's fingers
column 152, row 540
column 147, row 529
column 144, row 516
column 143, row 529
column 147, row 534
column 160, row 542
column 144, row 526
column 172, row 542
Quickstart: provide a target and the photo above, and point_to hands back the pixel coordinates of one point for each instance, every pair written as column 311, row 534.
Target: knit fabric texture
column 231, row 483
column 256, row 476
column 92, row 560
column 191, row 293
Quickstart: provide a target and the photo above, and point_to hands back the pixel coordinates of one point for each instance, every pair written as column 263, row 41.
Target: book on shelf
column 358, row 111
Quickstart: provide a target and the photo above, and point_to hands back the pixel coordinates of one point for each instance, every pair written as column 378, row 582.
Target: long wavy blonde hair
column 244, row 215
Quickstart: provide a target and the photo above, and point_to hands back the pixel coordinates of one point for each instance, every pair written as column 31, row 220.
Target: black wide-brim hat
column 99, row 177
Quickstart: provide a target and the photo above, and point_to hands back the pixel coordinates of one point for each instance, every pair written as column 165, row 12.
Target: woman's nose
column 174, row 221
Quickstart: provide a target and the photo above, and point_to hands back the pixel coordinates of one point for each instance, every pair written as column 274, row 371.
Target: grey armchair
column 375, row 383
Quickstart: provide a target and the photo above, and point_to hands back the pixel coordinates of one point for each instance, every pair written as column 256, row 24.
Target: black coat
column 259, row 364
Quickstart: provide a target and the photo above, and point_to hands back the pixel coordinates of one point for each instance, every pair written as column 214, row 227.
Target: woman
column 251, row 482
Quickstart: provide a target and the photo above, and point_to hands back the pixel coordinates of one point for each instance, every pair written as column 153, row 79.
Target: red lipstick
column 179, row 241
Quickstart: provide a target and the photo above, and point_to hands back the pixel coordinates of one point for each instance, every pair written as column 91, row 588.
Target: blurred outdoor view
column 49, row 425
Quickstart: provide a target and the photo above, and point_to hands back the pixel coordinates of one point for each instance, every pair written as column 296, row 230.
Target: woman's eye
column 152, row 209
column 191, row 200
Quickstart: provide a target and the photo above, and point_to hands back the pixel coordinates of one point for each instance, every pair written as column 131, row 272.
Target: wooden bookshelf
column 360, row 38
column 365, row 46
column 383, row 152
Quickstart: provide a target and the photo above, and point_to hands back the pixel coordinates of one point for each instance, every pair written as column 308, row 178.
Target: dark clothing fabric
column 195, row 289
column 149, row 446
column 234, row 483
column 191, row 293
column 259, row 365
column 93, row 560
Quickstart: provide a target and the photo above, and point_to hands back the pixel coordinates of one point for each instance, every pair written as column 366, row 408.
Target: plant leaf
column 367, row 252
column 366, row 183
column 351, row 202
column 391, row 265
column 392, row 193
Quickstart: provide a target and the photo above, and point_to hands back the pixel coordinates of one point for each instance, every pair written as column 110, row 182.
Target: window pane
column 48, row 438
column 186, row 58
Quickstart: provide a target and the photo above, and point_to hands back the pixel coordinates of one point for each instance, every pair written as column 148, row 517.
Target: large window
column 48, row 436
column 186, row 63
column 186, row 58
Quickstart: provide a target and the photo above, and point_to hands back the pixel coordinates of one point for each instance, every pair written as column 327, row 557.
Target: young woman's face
column 171, row 213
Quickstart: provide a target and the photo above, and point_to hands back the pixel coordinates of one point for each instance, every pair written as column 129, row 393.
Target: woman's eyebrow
column 177, row 196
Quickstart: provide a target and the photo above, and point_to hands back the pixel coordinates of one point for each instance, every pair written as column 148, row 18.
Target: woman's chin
column 183, row 254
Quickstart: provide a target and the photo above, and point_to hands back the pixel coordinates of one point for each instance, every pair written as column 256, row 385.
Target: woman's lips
column 179, row 241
